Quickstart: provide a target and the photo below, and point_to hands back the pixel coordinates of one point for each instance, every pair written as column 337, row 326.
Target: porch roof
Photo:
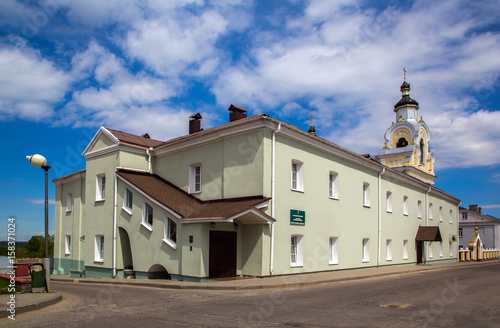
column 428, row 234
column 193, row 210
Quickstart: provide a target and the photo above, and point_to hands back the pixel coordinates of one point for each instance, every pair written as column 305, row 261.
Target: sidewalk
column 28, row 302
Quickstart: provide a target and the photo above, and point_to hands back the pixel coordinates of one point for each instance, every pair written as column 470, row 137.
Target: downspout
column 115, row 200
column 379, row 215
column 273, row 194
column 424, row 251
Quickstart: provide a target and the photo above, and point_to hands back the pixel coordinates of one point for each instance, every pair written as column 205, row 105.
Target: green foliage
column 4, row 251
column 35, row 248
column 5, row 285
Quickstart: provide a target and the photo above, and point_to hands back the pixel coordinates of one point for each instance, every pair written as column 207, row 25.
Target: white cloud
column 29, row 84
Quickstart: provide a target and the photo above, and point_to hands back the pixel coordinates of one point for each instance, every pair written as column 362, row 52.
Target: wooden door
column 420, row 246
column 222, row 258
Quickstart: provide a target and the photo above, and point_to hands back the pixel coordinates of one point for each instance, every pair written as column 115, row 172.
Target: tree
column 35, row 247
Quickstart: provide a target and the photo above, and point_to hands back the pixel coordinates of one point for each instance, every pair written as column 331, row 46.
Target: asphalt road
column 456, row 297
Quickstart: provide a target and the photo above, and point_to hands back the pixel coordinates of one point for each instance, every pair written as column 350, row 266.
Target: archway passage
column 158, row 271
column 126, row 249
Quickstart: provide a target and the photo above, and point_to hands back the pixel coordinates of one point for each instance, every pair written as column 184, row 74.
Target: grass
column 4, row 287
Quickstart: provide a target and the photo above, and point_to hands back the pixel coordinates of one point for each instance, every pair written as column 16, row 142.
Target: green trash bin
column 37, row 277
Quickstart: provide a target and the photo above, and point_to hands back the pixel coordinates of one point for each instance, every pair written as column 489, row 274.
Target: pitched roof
column 134, row 139
column 428, row 234
column 186, row 205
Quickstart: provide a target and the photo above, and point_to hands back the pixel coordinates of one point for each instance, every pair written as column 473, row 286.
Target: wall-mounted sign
column 297, row 217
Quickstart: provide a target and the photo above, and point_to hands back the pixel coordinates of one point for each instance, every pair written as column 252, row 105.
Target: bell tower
column 407, row 140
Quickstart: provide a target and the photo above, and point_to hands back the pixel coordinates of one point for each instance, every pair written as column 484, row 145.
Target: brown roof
column 428, row 234
column 186, row 205
column 134, row 139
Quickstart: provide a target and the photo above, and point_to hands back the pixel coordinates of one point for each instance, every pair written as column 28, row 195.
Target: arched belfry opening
column 422, row 151
column 402, row 142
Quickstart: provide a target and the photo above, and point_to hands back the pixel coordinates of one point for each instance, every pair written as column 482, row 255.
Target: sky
column 144, row 66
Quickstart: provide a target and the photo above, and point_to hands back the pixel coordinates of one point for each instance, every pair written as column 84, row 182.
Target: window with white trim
column 100, row 191
column 388, row 250
column 451, row 216
column 440, row 214
column 334, row 185
column 451, row 248
column 67, row 245
column 147, row 215
column 419, row 209
column 431, row 215
column 69, row 202
column 388, row 202
column 405, row 205
column 128, row 199
column 99, row 248
column 464, row 215
column 333, row 253
column 366, row 194
column 296, row 251
column 297, row 175
column 440, row 249
column 405, row 249
column 431, row 252
column 170, row 232
column 365, row 255
column 195, row 178
column 460, row 232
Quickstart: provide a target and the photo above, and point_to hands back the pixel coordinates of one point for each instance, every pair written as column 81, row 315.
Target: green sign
column 297, row 217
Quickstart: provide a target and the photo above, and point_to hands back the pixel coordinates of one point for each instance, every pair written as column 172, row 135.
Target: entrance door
column 222, row 258
column 420, row 246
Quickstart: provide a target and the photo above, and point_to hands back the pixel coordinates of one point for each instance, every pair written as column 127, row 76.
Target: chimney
column 236, row 113
column 195, row 123
column 473, row 208
column 480, row 210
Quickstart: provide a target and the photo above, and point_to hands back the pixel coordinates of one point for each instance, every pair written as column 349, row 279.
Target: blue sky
column 69, row 67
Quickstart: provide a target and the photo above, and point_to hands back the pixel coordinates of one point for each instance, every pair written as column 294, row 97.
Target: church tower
column 407, row 141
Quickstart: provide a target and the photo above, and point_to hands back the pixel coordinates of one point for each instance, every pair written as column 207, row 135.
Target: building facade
column 488, row 227
column 255, row 196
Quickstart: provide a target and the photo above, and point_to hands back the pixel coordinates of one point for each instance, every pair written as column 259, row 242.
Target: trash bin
column 37, row 277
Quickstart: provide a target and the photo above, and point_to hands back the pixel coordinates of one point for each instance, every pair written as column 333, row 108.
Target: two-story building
column 488, row 227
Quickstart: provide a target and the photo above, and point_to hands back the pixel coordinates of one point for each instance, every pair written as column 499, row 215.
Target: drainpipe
column 273, row 194
column 379, row 215
column 424, row 251
column 149, row 158
column 115, row 200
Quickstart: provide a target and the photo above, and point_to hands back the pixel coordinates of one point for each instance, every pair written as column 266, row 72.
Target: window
column 170, row 233
column 440, row 249
column 405, row 249
column 388, row 202
column 431, row 253
column 440, row 214
column 419, row 209
column 128, row 198
column 296, row 251
column 195, row 178
column 366, row 250
column 405, row 205
column 69, row 202
column 451, row 248
column 451, row 216
column 464, row 215
column 297, row 176
column 366, row 194
column 147, row 216
column 431, row 216
column 333, row 256
column 389, row 250
column 100, row 192
column 67, row 245
column 422, row 151
column 460, row 232
column 334, row 185
column 99, row 248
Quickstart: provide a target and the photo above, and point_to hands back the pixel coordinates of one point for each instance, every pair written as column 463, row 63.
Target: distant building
column 488, row 227
column 255, row 196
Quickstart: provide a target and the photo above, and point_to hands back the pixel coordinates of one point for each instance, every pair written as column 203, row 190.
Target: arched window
column 422, row 151
column 401, row 143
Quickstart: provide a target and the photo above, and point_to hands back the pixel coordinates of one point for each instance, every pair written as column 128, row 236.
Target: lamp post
column 40, row 161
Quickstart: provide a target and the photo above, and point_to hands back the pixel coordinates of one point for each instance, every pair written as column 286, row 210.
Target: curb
column 53, row 299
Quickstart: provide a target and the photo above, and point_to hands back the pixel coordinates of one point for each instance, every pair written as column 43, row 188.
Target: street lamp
column 40, row 161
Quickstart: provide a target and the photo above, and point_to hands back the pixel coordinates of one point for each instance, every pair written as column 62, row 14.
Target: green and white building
column 255, row 196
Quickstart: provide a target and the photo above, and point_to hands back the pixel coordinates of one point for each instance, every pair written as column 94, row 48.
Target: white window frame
column 430, row 252
column 450, row 243
column 405, row 205
column 296, row 251
column 388, row 202
column 195, row 178
column 99, row 248
column 440, row 213
column 451, row 216
column 128, row 202
column 365, row 251
column 145, row 216
column 170, row 224
column 297, row 175
column 366, row 194
column 333, row 184
column 389, row 250
column 464, row 216
column 440, row 249
column 333, row 250
column 431, row 215
column 67, row 245
column 69, row 202
column 419, row 209
column 100, row 190
column 405, row 249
